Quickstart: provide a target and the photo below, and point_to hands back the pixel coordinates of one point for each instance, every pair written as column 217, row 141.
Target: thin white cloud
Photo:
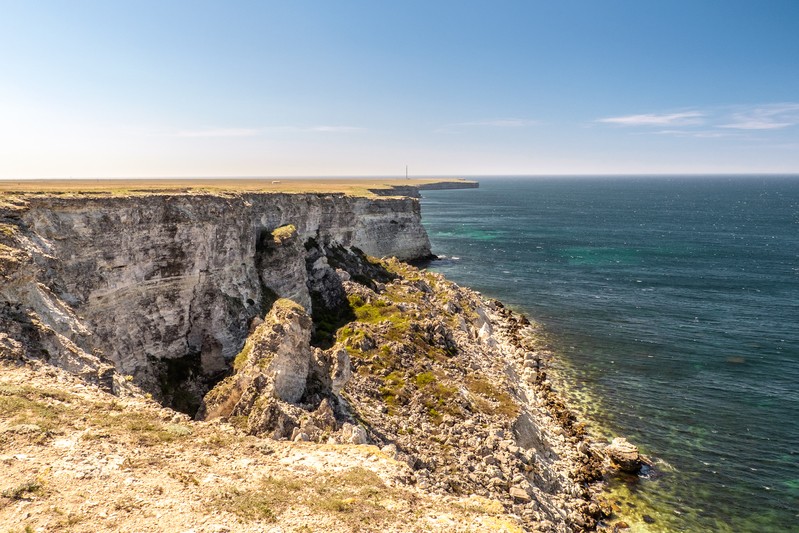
column 714, row 122
column 767, row 117
column 499, row 123
column 256, row 132
column 699, row 134
column 684, row 118
column 332, row 129
column 220, row 132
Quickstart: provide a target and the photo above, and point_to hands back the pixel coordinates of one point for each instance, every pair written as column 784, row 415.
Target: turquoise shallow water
column 674, row 303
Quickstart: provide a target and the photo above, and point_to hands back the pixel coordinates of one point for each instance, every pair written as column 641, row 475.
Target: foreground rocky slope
column 441, row 379
column 75, row 458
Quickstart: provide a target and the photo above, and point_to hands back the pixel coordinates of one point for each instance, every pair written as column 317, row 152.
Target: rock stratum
column 271, row 371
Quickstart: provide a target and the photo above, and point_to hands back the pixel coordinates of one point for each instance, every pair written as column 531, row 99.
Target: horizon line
column 411, row 178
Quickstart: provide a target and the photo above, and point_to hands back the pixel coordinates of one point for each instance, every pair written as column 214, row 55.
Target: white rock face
column 341, row 371
column 352, row 434
column 164, row 277
column 274, row 362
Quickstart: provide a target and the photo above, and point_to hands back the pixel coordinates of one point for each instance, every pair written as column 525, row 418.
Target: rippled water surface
column 675, row 305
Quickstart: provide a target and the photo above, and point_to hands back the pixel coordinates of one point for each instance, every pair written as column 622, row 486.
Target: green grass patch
column 23, row 491
column 242, row 357
column 438, row 398
column 45, row 408
column 425, row 378
column 392, row 390
column 284, row 233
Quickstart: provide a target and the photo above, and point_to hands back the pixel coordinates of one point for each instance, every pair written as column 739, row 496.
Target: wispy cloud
column 498, row 123
column 699, row 134
column 767, row 117
column 256, row 132
column 220, row 132
column 712, row 122
column 684, row 118
column 331, row 129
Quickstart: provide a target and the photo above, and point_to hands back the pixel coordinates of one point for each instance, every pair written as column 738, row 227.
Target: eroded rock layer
column 164, row 287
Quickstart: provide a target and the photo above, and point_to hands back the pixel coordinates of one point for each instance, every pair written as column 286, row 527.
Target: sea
column 672, row 307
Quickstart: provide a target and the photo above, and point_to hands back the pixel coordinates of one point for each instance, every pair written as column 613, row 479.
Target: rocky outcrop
column 412, row 191
column 441, row 379
column 439, row 185
column 280, row 261
column 270, row 374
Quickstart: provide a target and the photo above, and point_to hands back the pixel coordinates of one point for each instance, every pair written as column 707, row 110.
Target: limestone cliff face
column 168, row 284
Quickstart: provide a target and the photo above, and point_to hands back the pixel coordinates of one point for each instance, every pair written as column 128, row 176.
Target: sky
column 173, row 88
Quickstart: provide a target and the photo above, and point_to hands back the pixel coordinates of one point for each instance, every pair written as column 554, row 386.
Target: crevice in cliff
column 329, row 266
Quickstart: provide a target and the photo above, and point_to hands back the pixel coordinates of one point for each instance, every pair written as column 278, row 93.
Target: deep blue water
column 674, row 306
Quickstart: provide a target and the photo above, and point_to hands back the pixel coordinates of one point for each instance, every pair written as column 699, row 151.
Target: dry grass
column 355, row 496
column 490, row 398
column 124, row 187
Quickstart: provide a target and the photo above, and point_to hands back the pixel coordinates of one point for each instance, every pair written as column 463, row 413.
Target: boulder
column 624, row 455
column 340, row 371
column 519, row 494
column 352, row 434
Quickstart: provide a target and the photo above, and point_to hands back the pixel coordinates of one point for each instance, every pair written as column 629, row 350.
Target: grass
column 8, row 230
column 355, row 496
column 425, row 378
column 437, row 396
column 144, row 426
column 491, row 399
column 392, row 389
column 242, row 357
column 141, row 187
column 284, row 233
column 23, row 491
column 379, row 310
column 400, row 381
column 45, row 408
column 285, row 303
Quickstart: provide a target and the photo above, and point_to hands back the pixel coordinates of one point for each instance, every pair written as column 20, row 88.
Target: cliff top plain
column 130, row 187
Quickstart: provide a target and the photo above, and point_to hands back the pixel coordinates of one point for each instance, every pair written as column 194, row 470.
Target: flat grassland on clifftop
column 356, row 186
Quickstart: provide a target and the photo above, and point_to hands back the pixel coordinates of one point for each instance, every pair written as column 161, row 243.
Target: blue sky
column 297, row 88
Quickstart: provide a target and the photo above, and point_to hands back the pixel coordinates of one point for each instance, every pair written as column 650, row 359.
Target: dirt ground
column 75, row 458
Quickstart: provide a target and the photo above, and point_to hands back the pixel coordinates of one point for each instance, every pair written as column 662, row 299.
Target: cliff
column 167, row 285
column 269, row 314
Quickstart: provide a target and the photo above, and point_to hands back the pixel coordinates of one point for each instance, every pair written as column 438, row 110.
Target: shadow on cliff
column 329, row 266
